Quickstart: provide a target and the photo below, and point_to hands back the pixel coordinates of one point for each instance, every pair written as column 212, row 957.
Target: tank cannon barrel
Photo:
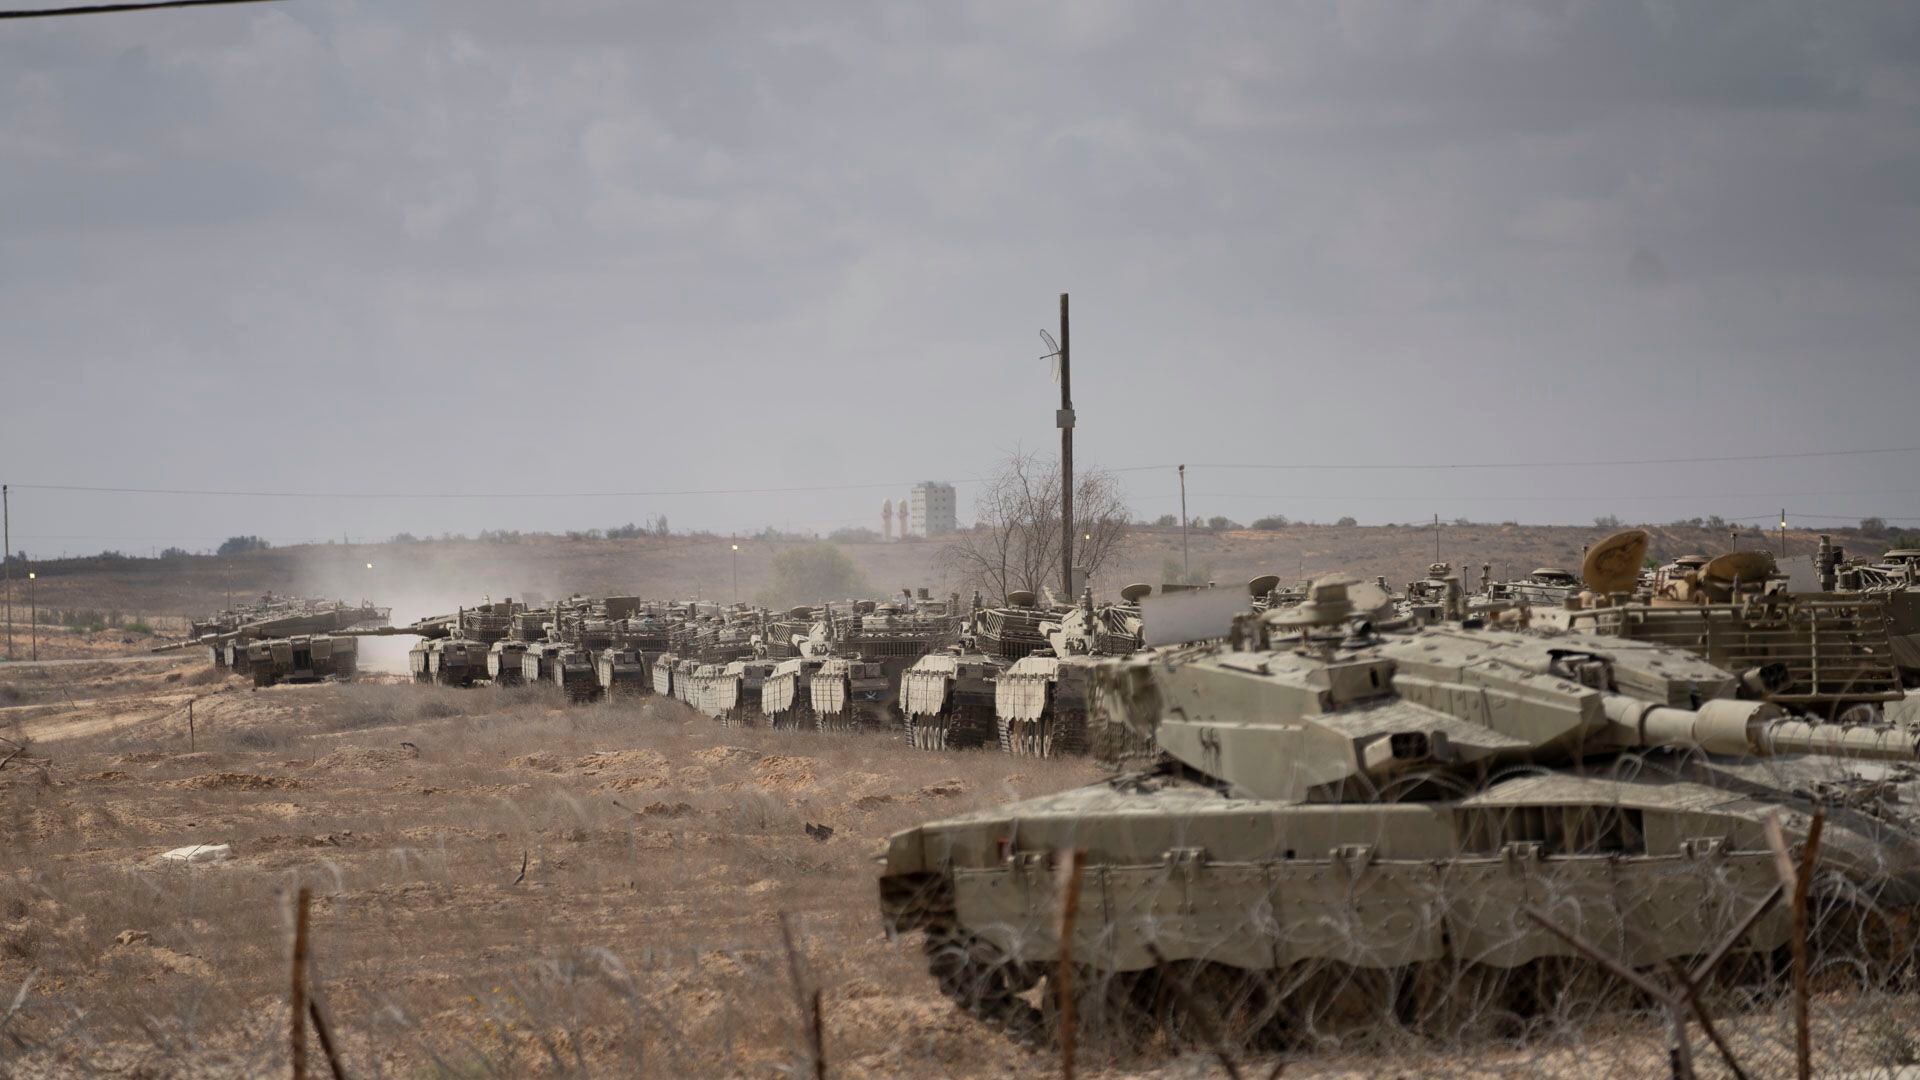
column 1756, row 729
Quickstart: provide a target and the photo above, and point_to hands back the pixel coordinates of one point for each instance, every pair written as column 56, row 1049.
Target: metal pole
column 1783, row 534
column 1184, row 572
column 6, row 557
column 33, row 613
column 1436, row 538
column 1065, row 421
column 736, row 572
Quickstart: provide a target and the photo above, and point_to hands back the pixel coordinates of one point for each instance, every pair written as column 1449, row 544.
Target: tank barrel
column 1754, row 729
column 1868, row 742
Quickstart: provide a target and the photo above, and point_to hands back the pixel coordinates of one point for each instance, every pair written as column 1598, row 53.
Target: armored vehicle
column 1820, row 653
column 564, row 665
column 684, row 686
column 786, row 697
column 1349, row 825
column 1895, row 579
column 1546, row 586
column 452, row 650
column 506, row 658
column 663, row 680
column 851, row 694
column 948, row 696
column 303, row 658
column 1040, row 702
column 228, row 634
column 731, row 692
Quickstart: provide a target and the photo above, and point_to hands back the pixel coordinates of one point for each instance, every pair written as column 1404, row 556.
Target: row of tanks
column 1350, row 799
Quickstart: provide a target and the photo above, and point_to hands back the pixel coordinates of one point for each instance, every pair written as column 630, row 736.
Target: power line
column 1695, row 496
column 104, row 9
column 895, row 484
column 890, row 485
column 1341, row 466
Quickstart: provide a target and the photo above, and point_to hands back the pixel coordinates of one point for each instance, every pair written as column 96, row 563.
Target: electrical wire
column 104, row 9
column 1585, row 462
column 895, row 484
column 802, row 489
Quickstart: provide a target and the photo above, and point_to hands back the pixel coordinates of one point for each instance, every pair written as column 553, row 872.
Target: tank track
column 1053, row 735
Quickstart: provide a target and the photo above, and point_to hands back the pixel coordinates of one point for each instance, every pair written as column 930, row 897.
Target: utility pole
column 736, row 571
column 1436, row 538
column 6, row 556
column 33, row 615
column 1184, row 572
column 1065, row 421
column 1783, row 534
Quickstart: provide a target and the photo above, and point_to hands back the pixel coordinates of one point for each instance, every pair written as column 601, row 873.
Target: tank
column 1895, row 579
column 662, row 678
column 948, row 697
column 1823, row 653
column 506, row 656
column 1040, row 701
column 453, row 649
column 228, row 634
column 302, row 658
column 1345, row 825
column 786, row 697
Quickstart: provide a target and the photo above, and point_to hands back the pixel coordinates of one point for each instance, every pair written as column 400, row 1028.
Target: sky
column 484, row 264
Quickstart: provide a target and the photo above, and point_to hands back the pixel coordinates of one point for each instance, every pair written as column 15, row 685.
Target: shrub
column 815, row 572
column 240, row 545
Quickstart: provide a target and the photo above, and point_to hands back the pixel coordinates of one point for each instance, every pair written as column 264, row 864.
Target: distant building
column 931, row 511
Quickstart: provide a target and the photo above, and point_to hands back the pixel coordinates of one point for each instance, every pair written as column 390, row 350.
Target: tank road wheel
column 987, row 985
column 927, row 732
column 1025, row 738
column 1334, row 1003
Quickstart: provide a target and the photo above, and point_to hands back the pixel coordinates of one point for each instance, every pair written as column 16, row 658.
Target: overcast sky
column 423, row 248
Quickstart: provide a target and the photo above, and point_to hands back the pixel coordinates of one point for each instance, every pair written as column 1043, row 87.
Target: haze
column 420, row 249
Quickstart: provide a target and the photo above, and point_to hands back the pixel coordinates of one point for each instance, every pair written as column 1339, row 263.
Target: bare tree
column 1016, row 543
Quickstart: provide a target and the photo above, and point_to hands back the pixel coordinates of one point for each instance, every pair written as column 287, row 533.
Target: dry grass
column 659, row 850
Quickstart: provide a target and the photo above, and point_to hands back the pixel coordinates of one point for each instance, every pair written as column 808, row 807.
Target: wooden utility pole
column 6, row 556
column 1065, row 421
column 1184, row 572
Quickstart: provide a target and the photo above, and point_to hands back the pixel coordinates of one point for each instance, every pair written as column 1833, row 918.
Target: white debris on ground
column 199, row 853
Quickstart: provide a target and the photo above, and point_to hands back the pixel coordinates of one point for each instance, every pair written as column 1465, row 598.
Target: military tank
column 1824, row 653
column 1040, row 701
column 1348, row 822
column 948, row 697
column 1895, row 579
column 452, row 650
column 302, row 626
column 506, row 658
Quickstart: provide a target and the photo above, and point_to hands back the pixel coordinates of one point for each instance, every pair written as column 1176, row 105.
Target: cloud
column 605, row 240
